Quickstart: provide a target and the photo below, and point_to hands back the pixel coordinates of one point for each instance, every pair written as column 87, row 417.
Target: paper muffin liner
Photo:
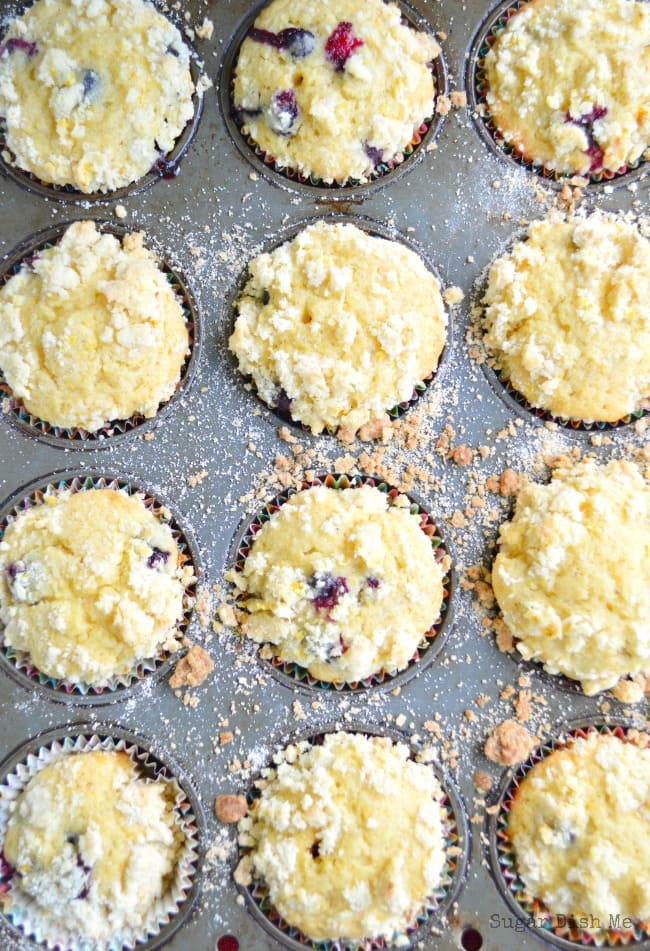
column 293, row 180
column 75, row 437
column 431, row 643
column 437, row 905
column 477, row 87
column 168, row 166
column 19, row 663
column 375, row 229
column 21, row 912
column 559, row 931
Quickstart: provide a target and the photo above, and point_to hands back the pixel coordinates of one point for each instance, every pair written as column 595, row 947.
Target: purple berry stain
column 373, row 582
column 157, row 557
column 340, row 45
column 283, row 112
column 90, row 83
column 586, row 122
column 166, row 168
column 375, row 155
column 328, row 591
column 299, row 43
column 7, row 871
column 15, row 43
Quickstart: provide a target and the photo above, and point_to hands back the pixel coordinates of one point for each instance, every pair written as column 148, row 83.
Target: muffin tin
column 211, row 454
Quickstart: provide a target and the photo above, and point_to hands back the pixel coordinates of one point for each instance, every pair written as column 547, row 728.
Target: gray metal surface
column 461, row 204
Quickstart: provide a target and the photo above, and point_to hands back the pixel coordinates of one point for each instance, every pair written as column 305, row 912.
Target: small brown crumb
column 509, row 743
column 509, row 483
column 226, row 737
column 197, row 478
column 504, row 638
column 453, row 295
column 458, row 99
column 244, row 872
column 522, row 706
column 443, row 105
column 482, row 781
column 462, row 455
column 375, row 428
column 470, row 715
column 230, row 808
column 192, row 669
column 345, row 434
column 628, row 691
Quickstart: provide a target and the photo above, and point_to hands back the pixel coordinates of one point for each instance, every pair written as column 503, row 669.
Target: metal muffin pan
column 212, row 455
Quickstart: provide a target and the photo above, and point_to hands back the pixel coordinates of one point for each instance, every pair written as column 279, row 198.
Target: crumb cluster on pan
column 93, row 92
column 94, row 851
column 342, row 582
column 567, row 84
column 91, row 330
column 578, row 826
column 572, row 575
column 91, row 583
column 567, row 316
column 335, row 89
column 324, row 836
column 337, row 326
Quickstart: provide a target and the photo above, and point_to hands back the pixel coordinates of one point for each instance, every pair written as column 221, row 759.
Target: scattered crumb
column 509, row 743
column 192, row 669
column 205, row 30
column 482, row 781
column 120, row 211
column 230, row 808
column 453, row 295
column 628, row 691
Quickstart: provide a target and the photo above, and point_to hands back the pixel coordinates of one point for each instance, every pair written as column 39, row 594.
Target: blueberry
column 266, row 297
column 375, row 155
column 282, row 113
column 282, row 405
column 157, row 557
column 90, row 83
column 328, row 592
column 299, row 43
column 15, row 43
column 372, row 582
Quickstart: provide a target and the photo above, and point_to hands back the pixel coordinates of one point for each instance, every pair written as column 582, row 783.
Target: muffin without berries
column 91, row 331
column 579, row 826
column 572, row 575
column 342, row 582
column 93, row 92
column 93, row 847
column 568, row 316
column 348, row 836
column 90, row 584
column 333, row 89
column 569, row 84
column 337, row 327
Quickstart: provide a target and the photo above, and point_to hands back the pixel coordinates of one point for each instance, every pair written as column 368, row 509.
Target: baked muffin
column 93, row 92
column 93, row 844
column 568, row 316
column 569, row 83
column 579, row 826
column 572, row 575
column 333, row 89
column 337, row 326
column 90, row 583
column 91, row 330
column 341, row 582
column 325, row 836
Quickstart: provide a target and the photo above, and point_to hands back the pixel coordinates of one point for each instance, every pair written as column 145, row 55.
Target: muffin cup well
column 291, row 179
column 477, row 87
column 23, row 917
column 373, row 228
column 432, row 642
column 168, row 166
column 18, row 664
column 498, row 379
column 437, row 907
column 115, row 430
column 557, row 931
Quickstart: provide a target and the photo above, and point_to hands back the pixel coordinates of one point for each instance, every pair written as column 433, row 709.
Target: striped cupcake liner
column 432, row 642
column 19, row 664
column 293, row 180
column 167, row 167
column 375, row 229
column 437, row 905
column 25, row 918
column 558, row 931
column 477, row 87
column 75, row 437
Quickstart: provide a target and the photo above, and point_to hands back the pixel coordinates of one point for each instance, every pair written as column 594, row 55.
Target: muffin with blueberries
column 91, row 330
column 568, row 84
column 342, row 582
column 579, row 829
column 335, row 89
column 90, row 584
column 338, row 326
column 567, row 316
column 93, row 92
column 348, row 837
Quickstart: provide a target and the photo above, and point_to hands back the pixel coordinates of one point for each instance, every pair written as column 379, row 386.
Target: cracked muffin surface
column 90, row 584
column 337, row 326
column 93, row 92
column 342, row 582
column 91, row 330
column 569, row 83
column 333, row 89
